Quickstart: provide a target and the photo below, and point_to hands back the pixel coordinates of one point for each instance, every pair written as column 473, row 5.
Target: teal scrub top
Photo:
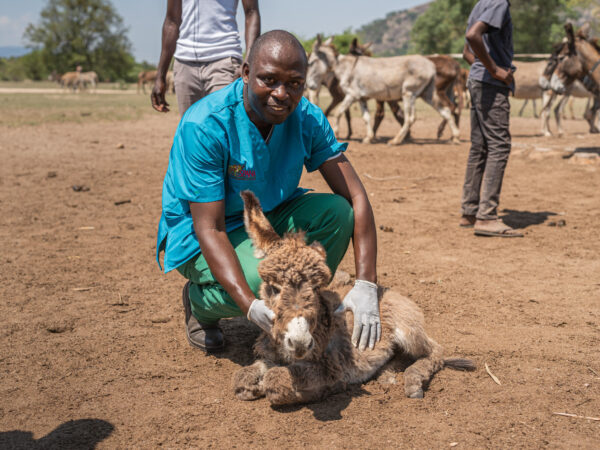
column 218, row 152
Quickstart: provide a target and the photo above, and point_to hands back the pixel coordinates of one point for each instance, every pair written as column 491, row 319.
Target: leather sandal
column 495, row 228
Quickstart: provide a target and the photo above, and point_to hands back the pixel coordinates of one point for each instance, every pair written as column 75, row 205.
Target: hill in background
column 13, row 51
column 391, row 36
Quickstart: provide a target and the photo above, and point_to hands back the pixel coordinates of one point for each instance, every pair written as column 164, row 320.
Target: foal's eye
column 273, row 290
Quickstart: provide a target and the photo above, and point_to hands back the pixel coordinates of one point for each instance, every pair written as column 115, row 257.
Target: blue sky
column 304, row 17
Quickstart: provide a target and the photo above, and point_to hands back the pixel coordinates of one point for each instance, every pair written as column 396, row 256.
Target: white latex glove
column 261, row 315
column 362, row 300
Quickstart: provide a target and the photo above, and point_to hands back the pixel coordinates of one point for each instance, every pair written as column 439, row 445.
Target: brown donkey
column 308, row 354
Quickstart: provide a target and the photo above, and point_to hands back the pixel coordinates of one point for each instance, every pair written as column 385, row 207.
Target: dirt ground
column 93, row 346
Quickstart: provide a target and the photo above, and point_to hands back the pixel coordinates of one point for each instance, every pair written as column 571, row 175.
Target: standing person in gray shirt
column 489, row 51
column 204, row 36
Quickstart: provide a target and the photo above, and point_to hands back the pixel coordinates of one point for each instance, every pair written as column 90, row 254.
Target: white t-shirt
column 208, row 31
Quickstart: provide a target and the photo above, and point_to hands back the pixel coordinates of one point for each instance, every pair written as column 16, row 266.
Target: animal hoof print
column 417, row 394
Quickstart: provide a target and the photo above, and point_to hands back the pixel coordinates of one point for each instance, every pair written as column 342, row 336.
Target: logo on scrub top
column 239, row 172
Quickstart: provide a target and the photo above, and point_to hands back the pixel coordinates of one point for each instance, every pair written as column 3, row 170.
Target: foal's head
column 292, row 273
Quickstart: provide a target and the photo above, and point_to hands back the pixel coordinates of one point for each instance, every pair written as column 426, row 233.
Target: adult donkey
column 332, row 84
column 384, row 79
column 576, row 59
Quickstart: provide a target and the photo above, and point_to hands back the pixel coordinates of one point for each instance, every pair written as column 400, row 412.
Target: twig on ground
column 371, row 177
column 81, row 289
column 576, row 416
column 85, row 228
column 593, row 371
column 122, row 202
column 584, row 402
column 494, row 377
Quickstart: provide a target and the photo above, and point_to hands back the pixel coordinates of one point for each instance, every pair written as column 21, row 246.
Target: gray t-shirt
column 498, row 40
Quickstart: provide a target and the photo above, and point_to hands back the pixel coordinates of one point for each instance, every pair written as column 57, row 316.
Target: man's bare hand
column 506, row 76
column 158, row 96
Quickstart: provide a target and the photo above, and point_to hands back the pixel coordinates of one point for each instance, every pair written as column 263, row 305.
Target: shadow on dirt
column 595, row 150
column 330, row 408
column 75, row 434
column 523, row 219
column 240, row 336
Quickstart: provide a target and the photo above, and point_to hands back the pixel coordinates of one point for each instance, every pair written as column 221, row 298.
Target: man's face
column 275, row 83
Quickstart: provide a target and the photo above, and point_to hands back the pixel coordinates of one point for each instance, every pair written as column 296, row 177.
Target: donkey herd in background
column 572, row 71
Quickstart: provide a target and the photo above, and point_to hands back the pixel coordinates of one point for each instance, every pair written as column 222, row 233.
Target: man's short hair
column 282, row 37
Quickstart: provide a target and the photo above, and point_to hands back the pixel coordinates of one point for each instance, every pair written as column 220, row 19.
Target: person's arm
column 251, row 28
column 468, row 55
column 475, row 39
column 209, row 226
column 343, row 180
column 170, row 33
column 363, row 297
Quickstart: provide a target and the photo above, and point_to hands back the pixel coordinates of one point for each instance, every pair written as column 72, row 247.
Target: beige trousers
column 194, row 80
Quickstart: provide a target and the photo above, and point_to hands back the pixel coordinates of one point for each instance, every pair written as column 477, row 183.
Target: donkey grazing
column 309, row 354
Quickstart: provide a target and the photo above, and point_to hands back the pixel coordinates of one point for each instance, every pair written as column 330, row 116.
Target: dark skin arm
column 475, row 39
column 170, row 33
column 343, row 180
column 468, row 56
column 252, row 24
column 209, row 226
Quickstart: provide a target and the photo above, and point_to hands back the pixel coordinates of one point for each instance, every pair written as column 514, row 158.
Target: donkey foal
column 309, row 353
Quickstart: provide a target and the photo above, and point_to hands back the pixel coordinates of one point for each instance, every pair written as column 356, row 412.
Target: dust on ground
column 93, row 345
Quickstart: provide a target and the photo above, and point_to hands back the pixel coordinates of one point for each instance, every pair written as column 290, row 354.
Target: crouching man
column 257, row 134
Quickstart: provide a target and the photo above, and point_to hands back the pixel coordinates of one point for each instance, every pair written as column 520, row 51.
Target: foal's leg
column 247, row 382
column 420, row 372
column 297, row 383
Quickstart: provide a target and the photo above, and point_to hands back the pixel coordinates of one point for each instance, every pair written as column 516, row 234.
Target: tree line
column 537, row 24
column 71, row 33
column 91, row 34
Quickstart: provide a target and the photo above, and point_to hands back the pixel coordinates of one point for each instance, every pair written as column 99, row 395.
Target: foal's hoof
column 417, row 394
column 367, row 140
column 455, row 140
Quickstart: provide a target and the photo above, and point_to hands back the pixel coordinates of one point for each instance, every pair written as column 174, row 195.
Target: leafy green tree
column 441, row 29
column 89, row 33
column 537, row 24
column 342, row 41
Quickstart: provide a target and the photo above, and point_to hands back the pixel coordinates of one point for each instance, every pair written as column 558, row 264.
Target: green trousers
column 326, row 218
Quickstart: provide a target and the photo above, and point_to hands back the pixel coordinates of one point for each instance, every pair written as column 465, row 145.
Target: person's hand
column 157, row 97
column 506, row 76
column 261, row 315
column 363, row 302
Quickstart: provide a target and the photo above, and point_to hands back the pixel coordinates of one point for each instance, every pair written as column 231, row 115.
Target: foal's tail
column 460, row 364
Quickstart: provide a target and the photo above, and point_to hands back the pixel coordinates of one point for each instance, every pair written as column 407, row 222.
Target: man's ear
column 245, row 72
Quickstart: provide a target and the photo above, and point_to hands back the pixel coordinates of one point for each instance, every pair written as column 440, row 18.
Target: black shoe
column 208, row 337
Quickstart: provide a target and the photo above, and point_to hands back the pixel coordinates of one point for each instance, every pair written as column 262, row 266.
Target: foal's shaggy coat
column 309, row 353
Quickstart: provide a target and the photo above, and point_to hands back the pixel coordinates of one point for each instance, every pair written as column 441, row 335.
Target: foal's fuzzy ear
column 258, row 226
column 328, row 41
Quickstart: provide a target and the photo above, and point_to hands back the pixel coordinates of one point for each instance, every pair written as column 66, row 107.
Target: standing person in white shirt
column 204, row 38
